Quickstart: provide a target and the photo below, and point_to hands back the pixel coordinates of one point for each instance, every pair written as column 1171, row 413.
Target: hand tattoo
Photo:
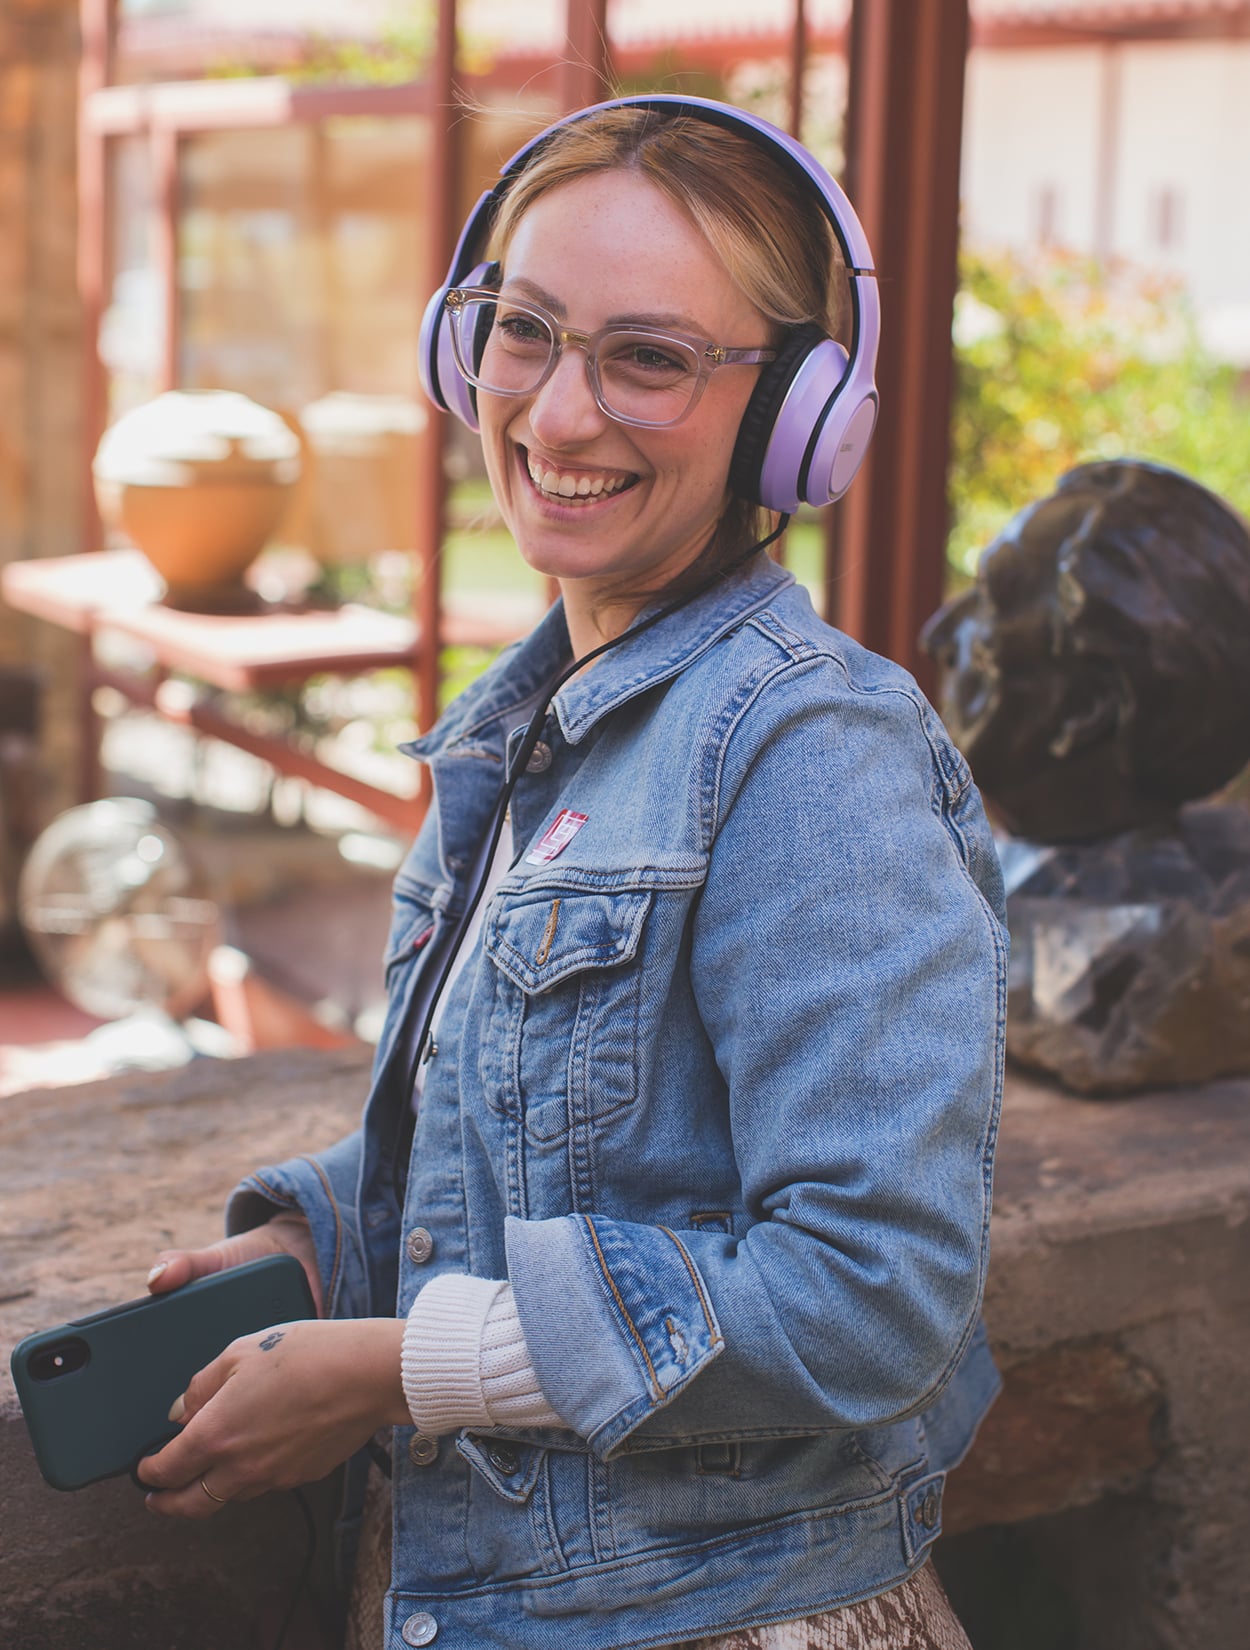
column 271, row 1340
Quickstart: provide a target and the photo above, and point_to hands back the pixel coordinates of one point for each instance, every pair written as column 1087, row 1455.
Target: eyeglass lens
column 506, row 349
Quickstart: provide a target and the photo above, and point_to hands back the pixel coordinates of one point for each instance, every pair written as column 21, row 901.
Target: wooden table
column 275, row 646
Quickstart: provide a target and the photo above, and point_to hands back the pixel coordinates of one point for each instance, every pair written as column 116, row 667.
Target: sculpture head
column 1097, row 675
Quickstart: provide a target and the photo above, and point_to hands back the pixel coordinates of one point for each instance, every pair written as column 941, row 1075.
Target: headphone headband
column 807, row 426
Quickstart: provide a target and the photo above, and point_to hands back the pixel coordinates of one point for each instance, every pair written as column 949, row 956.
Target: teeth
column 571, row 486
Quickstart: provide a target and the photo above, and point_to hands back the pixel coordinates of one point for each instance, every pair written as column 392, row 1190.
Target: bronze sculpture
column 1097, row 678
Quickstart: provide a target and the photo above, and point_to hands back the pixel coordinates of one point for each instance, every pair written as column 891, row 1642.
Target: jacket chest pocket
column 562, row 1042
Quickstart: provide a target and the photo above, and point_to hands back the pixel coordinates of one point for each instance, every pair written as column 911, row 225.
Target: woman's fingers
column 279, row 1408
column 175, row 1267
column 285, row 1234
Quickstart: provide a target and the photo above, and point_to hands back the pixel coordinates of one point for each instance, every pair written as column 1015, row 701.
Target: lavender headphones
column 808, row 423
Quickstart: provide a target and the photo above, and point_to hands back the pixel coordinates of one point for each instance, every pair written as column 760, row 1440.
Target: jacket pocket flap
column 541, row 939
column 510, row 1469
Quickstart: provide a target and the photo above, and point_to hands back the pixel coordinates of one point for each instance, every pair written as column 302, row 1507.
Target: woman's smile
column 573, row 486
column 614, row 510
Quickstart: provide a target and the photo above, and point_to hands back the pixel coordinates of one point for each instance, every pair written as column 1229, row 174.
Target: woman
column 695, row 1203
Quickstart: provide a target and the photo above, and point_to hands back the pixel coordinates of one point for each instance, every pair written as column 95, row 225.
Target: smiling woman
column 659, row 1253
column 632, row 504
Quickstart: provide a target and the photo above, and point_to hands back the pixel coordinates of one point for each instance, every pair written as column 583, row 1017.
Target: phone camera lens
column 51, row 1362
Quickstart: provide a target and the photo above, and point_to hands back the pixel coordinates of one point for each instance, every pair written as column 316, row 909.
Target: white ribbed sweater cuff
column 465, row 1362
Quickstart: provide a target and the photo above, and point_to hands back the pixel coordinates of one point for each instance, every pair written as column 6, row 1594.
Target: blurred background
column 257, row 196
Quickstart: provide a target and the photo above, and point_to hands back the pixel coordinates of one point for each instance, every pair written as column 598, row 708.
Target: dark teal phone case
column 100, row 1418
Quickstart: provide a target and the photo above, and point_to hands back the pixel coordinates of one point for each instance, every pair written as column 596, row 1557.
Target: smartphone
column 96, row 1392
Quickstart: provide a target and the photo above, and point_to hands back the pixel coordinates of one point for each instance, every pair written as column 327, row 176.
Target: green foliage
column 400, row 53
column 1059, row 362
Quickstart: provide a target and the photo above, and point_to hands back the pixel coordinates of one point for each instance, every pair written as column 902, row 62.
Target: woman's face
column 604, row 248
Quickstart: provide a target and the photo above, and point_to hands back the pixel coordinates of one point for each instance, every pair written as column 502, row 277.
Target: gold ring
column 221, row 1500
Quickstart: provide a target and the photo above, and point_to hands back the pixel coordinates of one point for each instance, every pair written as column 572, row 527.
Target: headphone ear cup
column 436, row 359
column 759, row 421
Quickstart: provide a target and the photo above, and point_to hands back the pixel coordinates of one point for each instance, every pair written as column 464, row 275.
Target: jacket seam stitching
column 656, row 1389
column 272, row 1192
column 698, row 1286
column 721, row 741
column 338, row 1226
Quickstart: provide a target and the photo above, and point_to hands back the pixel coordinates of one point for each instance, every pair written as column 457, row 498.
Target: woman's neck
column 593, row 621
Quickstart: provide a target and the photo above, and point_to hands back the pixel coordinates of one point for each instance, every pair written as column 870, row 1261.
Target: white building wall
column 1031, row 133
column 1172, row 186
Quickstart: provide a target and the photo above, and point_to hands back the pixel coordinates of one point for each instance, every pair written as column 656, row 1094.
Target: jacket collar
column 516, row 680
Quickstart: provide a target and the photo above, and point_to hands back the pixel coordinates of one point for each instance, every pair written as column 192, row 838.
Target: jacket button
column 929, row 1508
column 419, row 1629
column 420, row 1245
column 422, row 1451
column 503, row 1459
column 540, row 758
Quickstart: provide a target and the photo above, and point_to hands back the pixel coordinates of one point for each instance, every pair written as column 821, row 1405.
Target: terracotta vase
column 198, row 480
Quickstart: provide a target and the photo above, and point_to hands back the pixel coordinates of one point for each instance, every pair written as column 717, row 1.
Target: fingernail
column 178, row 1408
column 157, row 1270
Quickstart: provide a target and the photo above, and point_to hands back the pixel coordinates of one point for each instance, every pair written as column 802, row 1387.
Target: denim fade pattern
column 717, row 1091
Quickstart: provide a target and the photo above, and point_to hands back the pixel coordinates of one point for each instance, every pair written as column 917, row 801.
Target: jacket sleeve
column 852, row 983
column 321, row 1187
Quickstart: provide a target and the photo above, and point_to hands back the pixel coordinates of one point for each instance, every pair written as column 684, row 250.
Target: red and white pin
column 556, row 838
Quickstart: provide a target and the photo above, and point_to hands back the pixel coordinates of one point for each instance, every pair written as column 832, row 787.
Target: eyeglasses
column 638, row 374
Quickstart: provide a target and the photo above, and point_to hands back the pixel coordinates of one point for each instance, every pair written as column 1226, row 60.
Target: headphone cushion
column 760, row 418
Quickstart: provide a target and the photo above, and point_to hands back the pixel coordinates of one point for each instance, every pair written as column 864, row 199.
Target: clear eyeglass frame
column 705, row 356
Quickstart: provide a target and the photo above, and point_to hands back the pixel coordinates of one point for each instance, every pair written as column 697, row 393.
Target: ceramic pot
column 198, row 480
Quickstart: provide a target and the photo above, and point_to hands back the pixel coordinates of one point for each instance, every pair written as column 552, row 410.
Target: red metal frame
column 904, row 126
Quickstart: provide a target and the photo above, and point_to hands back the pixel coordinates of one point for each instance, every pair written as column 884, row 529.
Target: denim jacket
column 717, row 1091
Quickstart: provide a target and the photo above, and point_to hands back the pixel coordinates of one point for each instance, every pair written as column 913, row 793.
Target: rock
column 1130, row 958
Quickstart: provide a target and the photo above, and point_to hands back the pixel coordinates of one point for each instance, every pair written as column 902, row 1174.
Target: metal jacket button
column 422, row 1451
column 540, row 758
column 503, row 1459
column 929, row 1510
column 420, row 1245
column 419, row 1629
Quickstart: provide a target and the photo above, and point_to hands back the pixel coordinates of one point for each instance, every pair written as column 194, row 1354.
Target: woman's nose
column 564, row 411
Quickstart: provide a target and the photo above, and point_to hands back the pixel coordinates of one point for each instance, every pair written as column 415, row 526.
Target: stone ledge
column 95, row 1179
column 1117, row 1304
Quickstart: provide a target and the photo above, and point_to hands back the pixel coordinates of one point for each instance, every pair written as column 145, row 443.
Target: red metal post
column 440, row 226
column 798, row 64
column 903, row 143
column 588, row 73
column 98, row 25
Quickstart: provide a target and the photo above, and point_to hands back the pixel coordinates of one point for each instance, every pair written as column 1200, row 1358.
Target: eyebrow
column 658, row 318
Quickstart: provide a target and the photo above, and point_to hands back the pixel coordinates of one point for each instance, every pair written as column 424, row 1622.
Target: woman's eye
column 641, row 358
column 656, row 359
column 521, row 329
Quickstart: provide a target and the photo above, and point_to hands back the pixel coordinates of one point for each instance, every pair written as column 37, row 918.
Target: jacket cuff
column 616, row 1317
column 465, row 1362
column 509, row 1380
column 442, row 1354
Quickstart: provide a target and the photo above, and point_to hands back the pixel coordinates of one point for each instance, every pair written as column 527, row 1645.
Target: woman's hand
column 278, row 1409
column 284, row 1234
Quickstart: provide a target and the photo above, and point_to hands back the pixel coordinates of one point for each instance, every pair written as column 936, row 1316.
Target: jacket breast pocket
column 562, row 1043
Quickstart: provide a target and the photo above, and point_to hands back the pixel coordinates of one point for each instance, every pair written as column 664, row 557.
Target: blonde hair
column 759, row 219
